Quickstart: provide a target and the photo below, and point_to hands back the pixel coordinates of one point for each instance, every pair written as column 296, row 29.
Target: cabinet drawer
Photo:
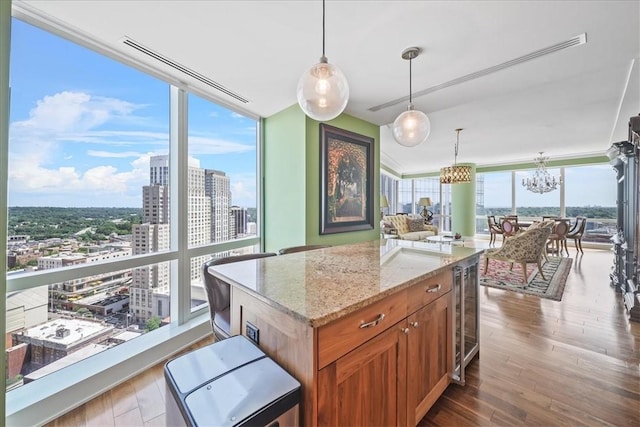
column 428, row 290
column 343, row 335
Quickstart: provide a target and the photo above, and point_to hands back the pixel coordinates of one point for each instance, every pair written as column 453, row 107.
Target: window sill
column 50, row 397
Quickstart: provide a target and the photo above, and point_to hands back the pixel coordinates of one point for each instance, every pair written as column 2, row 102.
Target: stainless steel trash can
column 230, row 383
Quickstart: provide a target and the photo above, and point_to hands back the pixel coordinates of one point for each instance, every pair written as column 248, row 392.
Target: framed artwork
column 346, row 180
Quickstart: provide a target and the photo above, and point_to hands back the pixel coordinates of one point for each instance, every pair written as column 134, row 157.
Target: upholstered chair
column 522, row 248
column 219, row 293
column 547, row 223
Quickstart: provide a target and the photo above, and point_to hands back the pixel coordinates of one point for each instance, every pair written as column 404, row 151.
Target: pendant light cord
column 410, row 96
column 455, row 157
column 323, row 28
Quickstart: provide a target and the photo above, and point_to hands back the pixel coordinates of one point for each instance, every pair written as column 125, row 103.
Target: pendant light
column 323, row 90
column 413, row 126
column 456, row 174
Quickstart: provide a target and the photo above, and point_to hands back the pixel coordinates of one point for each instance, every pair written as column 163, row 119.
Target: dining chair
column 219, row 293
column 494, row 228
column 577, row 231
column 514, row 220
column 509, row 228
column 302, row 248
column 558, row 237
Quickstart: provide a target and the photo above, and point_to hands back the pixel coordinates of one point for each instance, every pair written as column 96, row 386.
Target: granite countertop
column 319, row 286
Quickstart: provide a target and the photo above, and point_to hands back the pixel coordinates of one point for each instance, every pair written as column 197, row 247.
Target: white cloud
column 243, row 189
column 74, row 111
column 35, row 143
column 115, row 154
column 207, row 145
column 237, row 116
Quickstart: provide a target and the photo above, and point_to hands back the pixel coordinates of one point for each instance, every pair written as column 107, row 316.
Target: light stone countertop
column 319, row 286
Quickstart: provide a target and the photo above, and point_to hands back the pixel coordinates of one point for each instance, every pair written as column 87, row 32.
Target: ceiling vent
column 155, row 55
column 575, row 41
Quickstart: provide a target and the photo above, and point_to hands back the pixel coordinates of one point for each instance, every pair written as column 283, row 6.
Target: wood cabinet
column 429, row 356
column 365, row 386
column 383, row 364
column 397, row 375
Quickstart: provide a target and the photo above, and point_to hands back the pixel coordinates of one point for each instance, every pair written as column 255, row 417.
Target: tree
column 152, row 324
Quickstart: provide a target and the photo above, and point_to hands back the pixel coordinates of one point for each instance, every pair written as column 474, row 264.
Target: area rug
column 556, row 270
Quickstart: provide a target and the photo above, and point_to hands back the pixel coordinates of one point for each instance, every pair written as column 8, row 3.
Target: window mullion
column 179, row 205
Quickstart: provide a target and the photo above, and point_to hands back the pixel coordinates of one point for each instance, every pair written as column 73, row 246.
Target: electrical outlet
column 253, row 333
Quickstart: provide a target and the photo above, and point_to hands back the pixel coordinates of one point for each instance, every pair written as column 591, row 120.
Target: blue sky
column 83, row 127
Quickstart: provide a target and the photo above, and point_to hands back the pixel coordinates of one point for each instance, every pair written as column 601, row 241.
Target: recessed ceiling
column 569, row 103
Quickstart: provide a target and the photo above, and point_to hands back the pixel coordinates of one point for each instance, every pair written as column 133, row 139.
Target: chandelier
column 542, row 181
column 455, row 174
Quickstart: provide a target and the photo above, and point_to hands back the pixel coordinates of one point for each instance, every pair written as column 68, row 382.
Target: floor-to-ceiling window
column 222, row 183
column 404, row 202
column 497, row 200
column 388, row 186
column 104, row 199
column 428, row 188
column 531, row 205
column 590, row 191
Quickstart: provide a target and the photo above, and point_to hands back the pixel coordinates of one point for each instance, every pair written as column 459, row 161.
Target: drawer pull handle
column 415, row 324
column 373, row 322
column 435, row 288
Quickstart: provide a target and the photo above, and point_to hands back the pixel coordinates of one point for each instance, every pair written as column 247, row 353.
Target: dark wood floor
column 542, row 363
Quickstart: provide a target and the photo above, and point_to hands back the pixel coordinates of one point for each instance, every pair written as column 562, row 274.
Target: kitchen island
column 367, row 328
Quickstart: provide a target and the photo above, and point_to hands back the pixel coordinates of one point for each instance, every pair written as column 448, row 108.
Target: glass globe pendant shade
column 323, row 91
column 411, row 128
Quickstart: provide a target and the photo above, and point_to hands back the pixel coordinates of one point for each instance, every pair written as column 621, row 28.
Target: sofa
column 408, row 227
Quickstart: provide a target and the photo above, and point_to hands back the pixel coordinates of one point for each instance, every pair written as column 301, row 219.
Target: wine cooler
column 466, row 325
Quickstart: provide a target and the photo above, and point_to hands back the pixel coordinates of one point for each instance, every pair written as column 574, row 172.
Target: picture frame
column 346, row 180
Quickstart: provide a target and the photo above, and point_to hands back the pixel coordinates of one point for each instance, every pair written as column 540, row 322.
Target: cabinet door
column 366, row 386
column 429, row 356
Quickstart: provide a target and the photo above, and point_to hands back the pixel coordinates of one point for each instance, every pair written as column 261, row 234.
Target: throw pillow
column 415, row 224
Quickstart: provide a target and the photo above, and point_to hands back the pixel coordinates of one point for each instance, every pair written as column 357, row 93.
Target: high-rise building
column 218, row 188
column 209, row 199
column 239, row 216
column 148, row 238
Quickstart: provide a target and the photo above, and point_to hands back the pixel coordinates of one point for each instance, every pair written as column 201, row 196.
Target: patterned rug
column 555, row 270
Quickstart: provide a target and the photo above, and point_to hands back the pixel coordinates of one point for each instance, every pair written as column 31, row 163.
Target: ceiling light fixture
column 323, row 90
column 413, row 126
column 542, row 181
column 455, row 174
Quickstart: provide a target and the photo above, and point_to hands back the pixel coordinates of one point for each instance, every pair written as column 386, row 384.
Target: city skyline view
column 83, row 128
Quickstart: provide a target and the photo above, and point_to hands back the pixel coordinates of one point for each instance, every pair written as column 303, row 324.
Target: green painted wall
column 284, row 183
column 463, row 205
column 292, row 180
column 361, row 127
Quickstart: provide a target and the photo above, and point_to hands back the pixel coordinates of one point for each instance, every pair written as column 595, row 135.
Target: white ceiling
column 570, row 103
